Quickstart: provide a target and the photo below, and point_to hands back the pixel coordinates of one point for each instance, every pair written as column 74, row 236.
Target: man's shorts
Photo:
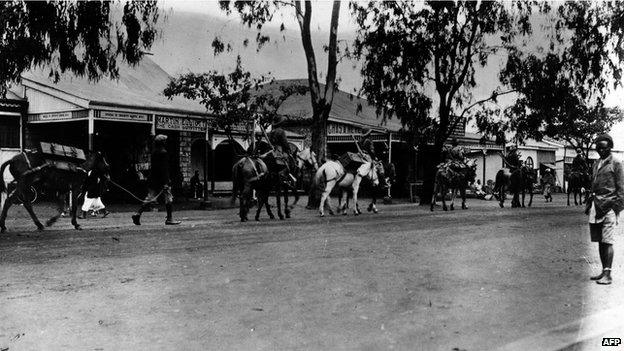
column 604, row 232
column 152, row 195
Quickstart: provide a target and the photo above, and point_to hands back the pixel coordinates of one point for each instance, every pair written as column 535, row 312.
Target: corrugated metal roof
column 140, row 86
column 344, row 106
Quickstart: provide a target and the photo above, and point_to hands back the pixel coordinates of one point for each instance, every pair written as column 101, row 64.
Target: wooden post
column 91, row 129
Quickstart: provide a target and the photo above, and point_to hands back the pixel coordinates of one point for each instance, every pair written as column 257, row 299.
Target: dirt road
column 403, row 279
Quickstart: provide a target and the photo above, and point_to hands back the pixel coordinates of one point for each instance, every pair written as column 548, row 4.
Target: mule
column 577, row 182
column 518, row 181
column 58, row 178
column 455, row 180
column 246, row 175
column 332, row 174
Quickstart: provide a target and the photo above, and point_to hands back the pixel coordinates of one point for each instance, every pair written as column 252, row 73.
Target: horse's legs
column 343, row 202
column 245, row 200
column 74, row 208
column 286, row 208
column 261, row 203
column 501, row 196
column 373, row 204
column 433, row 197
column 5, row 209
column 356, row 187
column 28, row 207
column 278, row 201
column 325, row 198
column 579, row 194
column 530, row 195
column 453, row 194
column 443, row 193
column 462, row 192
column 523, row 195
column 60, row 207
column 569, row 191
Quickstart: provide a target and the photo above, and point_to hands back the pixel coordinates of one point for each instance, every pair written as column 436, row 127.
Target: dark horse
column 576, row 182
column 519, row 181
column 60, row 177
column 448, row 179
column 248, row 174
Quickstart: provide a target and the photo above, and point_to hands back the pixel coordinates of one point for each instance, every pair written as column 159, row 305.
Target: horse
column 28, row 168
column 248, row 174
column 332, row 173
column 576, row 182
column 520, row 180
column 447, row 178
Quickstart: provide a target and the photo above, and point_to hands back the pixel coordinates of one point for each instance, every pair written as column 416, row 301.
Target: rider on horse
column 281, row 150
column 579, row 163
column 367, row 145
column 513, row 158
column 454, row 156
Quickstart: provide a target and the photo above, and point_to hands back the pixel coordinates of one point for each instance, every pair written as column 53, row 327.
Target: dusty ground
column 403, row 279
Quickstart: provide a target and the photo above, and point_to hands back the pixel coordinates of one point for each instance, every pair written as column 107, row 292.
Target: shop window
column 9, row 133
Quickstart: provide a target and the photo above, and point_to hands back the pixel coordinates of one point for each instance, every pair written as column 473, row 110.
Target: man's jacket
column 608, row 186
column 159, row 174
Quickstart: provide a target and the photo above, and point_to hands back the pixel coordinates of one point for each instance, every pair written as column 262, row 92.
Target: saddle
column 351, row 161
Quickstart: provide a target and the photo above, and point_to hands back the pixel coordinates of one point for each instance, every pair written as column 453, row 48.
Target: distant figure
column 196, row 186
column 605, row 205
column 158, row 182
column 548, row 181
column 478, row 189
column 579, row 163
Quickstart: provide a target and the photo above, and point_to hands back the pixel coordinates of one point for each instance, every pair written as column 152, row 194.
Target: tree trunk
column 319, row 146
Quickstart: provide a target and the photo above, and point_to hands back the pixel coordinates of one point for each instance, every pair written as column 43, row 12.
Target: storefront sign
column 181, row 123
column 52, row 116
column 124, row 116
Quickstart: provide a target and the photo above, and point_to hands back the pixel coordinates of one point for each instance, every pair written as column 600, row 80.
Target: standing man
column 196, row 186
column 548, row 181
column 607, row 200
column 158, row 182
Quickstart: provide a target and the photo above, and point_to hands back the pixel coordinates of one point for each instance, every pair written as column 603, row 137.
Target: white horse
column 332, row 173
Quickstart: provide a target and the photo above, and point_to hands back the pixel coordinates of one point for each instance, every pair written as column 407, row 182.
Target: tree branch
column 492, row 97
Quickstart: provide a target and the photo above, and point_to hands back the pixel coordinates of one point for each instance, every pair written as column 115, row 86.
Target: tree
column 258, row 13
column 84, row 37
column 418, row 54
column 235, row 99
column 562, row 90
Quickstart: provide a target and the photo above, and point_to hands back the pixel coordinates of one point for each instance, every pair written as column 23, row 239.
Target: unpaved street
column 403, row 279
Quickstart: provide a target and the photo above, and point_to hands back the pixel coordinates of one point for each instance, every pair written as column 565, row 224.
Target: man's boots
column 169, row 220
column 83, row 215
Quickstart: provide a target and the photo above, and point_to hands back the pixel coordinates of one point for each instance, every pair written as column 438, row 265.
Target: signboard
column 124, row 116
column 186, row 124
column 62, row 150
column 52, row 116
column 459, row 130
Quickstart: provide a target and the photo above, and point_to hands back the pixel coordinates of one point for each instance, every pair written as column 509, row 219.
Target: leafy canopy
column 83, row 37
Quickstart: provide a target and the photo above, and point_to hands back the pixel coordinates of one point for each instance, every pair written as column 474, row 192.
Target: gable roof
column 139, row 86
column 344, row 106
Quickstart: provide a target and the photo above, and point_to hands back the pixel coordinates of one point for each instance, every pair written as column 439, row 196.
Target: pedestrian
column 196, row 185
column 548, row 181
column 605, row 204
column 158, row 182
column 94, row 187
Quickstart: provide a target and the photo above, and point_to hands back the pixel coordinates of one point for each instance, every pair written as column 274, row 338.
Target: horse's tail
column 236, row 175
column 499, row 180
column 3, row 187
column 319, row 179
